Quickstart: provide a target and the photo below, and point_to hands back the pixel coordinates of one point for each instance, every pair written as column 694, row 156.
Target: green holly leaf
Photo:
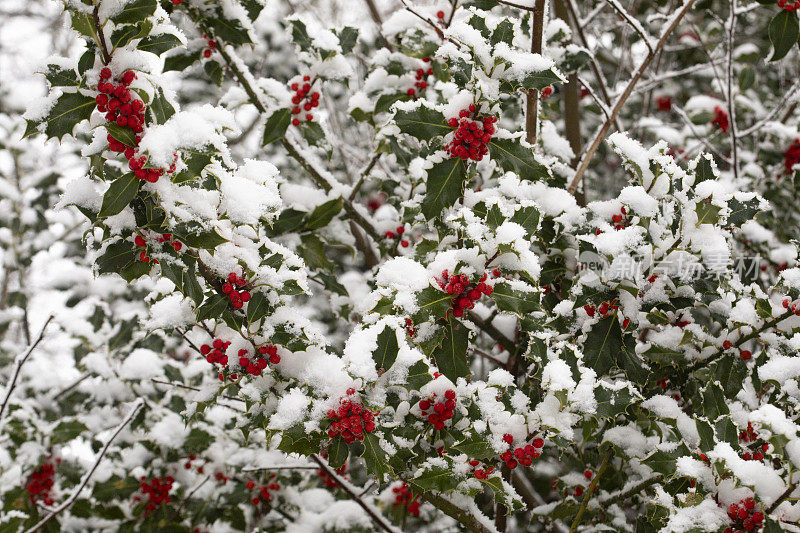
column 195, row 236
column 476, row 447
column 605, row 348
column 435, row 478
column 69, row 110
column 741, row 212
column 119, row 195
column 528, row 218
column 451, row 356
column 123, row 134
column 324, row 213
column 515, row 301
column 503, row 32
column 535, row 80
column 445, row 185
column 374, row 457
column 229, row 30
column 276, row 125
column 707, row 213
column 214, row 71
column 257, row 307
column 197, row 441
column 66, row 430
column 337, row 452
column 116, row 256
column 136, row 11
column 348, row 36
column 212, row 307
column 125, row 34
column 783, row 33
column 60, row 77
column 387, row 350
column 422, row 122
column 433, row 303
column 513, row 157
column 418, row 375
column 158, row 44
column 162, row 109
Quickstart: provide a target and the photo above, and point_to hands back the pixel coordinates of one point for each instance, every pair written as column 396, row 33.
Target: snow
column 250, row 193
column 403, row 274
column 141, row 364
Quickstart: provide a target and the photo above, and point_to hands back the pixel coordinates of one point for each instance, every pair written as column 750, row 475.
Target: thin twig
column 373, row 514
column 590, row 490
column 781, row 498
column 75, row 493
column 771, row 115
column 457, row 513
column 19, row 361
column 598, row 138
column 632, row 22
column 731, row 98
column 493, row 332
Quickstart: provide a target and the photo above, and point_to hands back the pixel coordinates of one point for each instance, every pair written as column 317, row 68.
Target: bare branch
column 731, row 97
column 601, row 134
column 632, row 22
column 772, row 114
column 374, row 514
column 77, row 491
column 21, row 360
column 532, row 98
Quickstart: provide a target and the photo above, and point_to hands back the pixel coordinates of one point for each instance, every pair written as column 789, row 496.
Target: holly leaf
column 418, row 375
column 604, row 348
column 451, row 356
column 347, row 38
column 387, row 350
column 161, row 108
column 116, row 256
column 435, row 478
column 503, row 32
column 66, row 430
column 59, row 77
column 445, row 184
column 123, row 134
column 323, row 214
column 374, row 457
column 337, row 452
column 513, row 157
column 783, row 33
column 121, row 192
column 514, row 301
column 476, row 447
column 276, row 125
column 69, row 110
column 158, row 44
column 136, row 11
column 535, row 80
column 422, row 122
column 125, row 34
column 214, row 71
column 741, row 212
column 229, row 30
column 257, row 307
column 432, row 303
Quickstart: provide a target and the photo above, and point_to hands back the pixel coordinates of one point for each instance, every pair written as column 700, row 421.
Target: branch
column 775, row 321
column 632, row 22
column 590, row 490
column 457, row 513
column 760, row 124
column 376, row 16
column 19, row 361
column 781, row 498
column 598, row 138
column 75, row 493
column 625, row 494
column 731, row 103
column 100, row 36
column 493, row 332
column 532, row 98
column 376, row 516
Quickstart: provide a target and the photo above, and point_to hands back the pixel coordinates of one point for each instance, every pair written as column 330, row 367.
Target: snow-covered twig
column 731, row 98
column 771, row 115
column 601, row 133
column 76, row 492
column 373, row 513
column 20, row 360
column 596, row 99
column 700, row 137
column 632, row 22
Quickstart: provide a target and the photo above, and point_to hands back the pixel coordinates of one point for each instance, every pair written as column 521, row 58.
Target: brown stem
column 620, row 103
column 506, row 343
column 376, row 16
column 100, row 36
column 18, row 367
column 375, row 516
column 532, row 99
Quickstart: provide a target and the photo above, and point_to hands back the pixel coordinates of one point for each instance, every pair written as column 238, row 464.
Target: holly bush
column 465, row 265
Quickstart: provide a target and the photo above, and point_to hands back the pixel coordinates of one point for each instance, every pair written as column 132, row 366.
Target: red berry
column 727, row 344
column 745, row 355
column 440, row 14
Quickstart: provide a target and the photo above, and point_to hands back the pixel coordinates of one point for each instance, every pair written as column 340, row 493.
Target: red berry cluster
column 521, row 455
column 176, row 2
column 720, row 119
column 749, row 435
column 465, row 293
column 480, row 473
column 792, row 157
column 604, row 309
column 157, row 492
column 117, row 102
column 789, row 5
column 472, row 134
column 443, row 410
column 258, row 363
column 398, row 233
column 264, row 491
column 351, row 420
column 547, row 91
column 301, row 93
column 212, row 45
column 664, row 103
column 421, row 76
column 217, row 353
column 403, row 497
column 619, row 220
column 41, row 483
column 745, row 516
column 140, row 242
column 233, row 287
